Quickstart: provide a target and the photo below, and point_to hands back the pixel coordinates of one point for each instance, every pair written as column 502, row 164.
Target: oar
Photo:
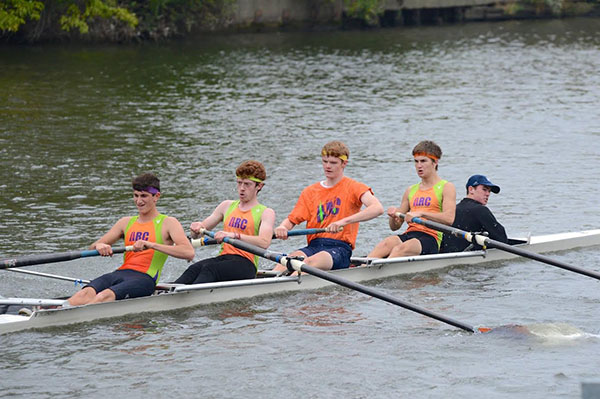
column 485, row 241
column 72, row 255
column 54, row 276
column 199, row 242
column 297, row 265
column 202, row 241
column 66, row 256
column 302, row 232
column 57, row 257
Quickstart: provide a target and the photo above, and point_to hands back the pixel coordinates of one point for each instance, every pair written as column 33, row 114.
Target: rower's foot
column 25, row 312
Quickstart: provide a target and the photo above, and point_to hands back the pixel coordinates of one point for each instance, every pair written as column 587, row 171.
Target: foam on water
column 558, row 332
column 546, row 333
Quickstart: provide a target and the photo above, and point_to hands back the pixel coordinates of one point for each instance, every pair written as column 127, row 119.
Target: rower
column 153, row 237
column 433, row 198
column 473, row 215
column 244, row 219
column 334, row 203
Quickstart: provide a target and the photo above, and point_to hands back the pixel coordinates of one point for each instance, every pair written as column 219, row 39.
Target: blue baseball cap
column 476, row 180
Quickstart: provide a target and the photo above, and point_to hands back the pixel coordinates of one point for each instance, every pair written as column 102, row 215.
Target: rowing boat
column 174, row 296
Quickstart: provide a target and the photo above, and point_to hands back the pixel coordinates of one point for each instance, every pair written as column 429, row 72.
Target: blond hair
column 336, row 149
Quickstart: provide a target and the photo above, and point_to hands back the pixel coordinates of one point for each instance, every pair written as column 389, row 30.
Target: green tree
column 14, row 13
column 367, row 10
column 79, row 14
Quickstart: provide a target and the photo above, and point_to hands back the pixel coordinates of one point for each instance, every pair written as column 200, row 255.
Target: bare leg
column 321, row 260
column 82, row 297
column 107, row 295
column 383, row 249
column 407, row 248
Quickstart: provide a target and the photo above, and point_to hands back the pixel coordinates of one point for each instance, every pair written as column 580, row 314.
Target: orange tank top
column 429, row 200
column 242, row 222
column 148, row 261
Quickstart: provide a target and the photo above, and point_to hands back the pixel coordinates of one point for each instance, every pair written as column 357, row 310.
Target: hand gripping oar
column 66, row 256
column 57, row 257
column 303, row 232
column 296, row 265
column 485, row 241
column 199, row 242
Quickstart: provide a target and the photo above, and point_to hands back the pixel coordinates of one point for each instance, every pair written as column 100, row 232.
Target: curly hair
column 251, row 168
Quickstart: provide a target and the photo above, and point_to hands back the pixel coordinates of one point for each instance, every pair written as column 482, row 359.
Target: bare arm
column 372, row 210
column 281, row 231
column 212, row 221
column 265, row 233
column 396, row 221
column 104, row 243
column 177, row 245
column 448, row 208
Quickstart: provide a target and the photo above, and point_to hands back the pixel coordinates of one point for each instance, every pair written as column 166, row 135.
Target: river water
column 517, row 101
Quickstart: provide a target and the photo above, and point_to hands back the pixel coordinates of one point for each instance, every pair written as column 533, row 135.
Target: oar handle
column 298, row 232
column 200, row 242
column 303, row 232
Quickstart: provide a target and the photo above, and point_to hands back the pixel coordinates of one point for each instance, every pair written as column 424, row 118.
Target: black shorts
column 222, row 268
column 429, row 245
column 124, row 283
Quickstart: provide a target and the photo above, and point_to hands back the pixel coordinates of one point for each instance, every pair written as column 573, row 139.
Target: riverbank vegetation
column 109, row 20
column 33, row 21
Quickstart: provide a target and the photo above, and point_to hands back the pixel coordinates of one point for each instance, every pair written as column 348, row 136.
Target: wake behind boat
column 171, row 296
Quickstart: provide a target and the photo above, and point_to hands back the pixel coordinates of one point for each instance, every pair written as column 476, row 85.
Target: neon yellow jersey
column 426, row 201
column 242, row 222
column 148, row 261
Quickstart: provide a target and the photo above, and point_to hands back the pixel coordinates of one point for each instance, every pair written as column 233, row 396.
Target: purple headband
column 150, row 189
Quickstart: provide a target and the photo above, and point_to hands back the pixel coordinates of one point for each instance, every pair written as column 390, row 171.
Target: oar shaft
column 486, row 241
column 300, row 266
column 200, row 242
column 52, row 258
column 381, row 295
column 54, row 276
column 253, row 249
column 541, row 258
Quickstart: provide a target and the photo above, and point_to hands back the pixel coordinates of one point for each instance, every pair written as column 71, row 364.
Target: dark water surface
column 517, row 101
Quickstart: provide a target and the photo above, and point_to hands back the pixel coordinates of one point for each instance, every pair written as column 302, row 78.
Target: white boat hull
column 226, row 291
